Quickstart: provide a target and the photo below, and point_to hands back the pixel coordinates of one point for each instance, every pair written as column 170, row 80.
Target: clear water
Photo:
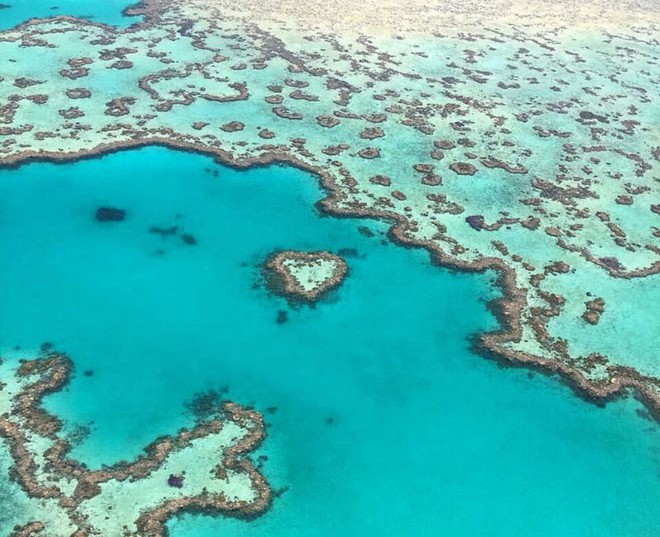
column 386, row 423
column 13, row 12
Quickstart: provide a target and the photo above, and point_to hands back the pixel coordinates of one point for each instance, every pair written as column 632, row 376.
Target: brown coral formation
column 285, row 113
column 78, row 93
column 282, row 278
column 31, row 528
column 369, row 153
column 29, row 418
column 463, row 168
column 382, row 180
column 119, row 107
column 233, row 126
column 327, row 121
column 371, row 133
column 593, row 311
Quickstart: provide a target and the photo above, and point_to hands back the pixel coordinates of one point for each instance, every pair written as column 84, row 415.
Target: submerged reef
column 110, row 214
column 202, row 469
column 520, row 142
column 304, row 275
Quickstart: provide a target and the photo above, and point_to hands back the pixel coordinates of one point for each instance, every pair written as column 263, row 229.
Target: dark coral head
column 175, row 480
column 476, row 221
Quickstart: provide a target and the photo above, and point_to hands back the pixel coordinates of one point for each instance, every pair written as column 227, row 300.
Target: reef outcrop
column 110, row 214
column 304, row 276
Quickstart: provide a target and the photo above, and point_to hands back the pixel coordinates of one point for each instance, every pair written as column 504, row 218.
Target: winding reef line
column 29, row 418
column 508, row 309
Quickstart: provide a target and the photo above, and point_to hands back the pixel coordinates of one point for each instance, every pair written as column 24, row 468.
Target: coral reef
column 304, row 275
column 171, row 477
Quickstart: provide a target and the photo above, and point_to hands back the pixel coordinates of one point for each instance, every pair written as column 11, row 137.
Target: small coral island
column 304, row 276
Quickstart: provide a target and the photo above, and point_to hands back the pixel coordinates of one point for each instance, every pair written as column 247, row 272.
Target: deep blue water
column 386, row 423
column 13, row 12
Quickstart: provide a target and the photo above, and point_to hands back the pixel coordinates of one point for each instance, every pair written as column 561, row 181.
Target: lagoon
column 382, row 421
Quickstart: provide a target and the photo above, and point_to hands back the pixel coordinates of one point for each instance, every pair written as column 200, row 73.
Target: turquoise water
column 13, row 12
column 385, row 423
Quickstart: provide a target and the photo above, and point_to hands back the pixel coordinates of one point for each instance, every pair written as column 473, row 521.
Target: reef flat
column 201, row 469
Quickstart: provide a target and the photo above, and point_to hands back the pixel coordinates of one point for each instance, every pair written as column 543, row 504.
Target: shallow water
column 385, row 422
column 14, row 12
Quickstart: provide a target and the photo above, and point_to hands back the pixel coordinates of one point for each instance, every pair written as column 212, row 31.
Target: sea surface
column 14, row 12
column 385, row 423
column 382, row 421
